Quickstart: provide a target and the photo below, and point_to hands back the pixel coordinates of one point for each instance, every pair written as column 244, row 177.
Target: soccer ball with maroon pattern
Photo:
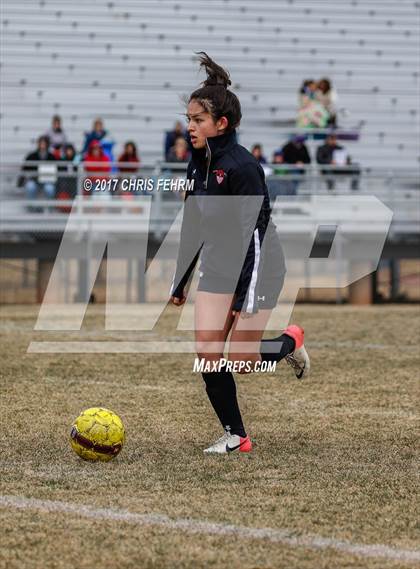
column 97, row 434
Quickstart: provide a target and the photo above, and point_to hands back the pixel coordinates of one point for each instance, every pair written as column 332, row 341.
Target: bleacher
column 130, row 62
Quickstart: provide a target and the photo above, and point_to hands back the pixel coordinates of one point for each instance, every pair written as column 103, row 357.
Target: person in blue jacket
column 227, row 223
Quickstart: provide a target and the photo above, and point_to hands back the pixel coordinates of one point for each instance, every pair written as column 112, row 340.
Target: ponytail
column 214, row 94
column 216, row 75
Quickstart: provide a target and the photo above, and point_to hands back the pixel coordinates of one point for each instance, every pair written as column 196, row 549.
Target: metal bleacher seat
column 129, row 62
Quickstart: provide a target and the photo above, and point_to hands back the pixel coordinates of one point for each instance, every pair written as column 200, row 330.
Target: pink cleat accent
column 295, row 332
column 246, row 445
column 230, row 443
column 299, row 358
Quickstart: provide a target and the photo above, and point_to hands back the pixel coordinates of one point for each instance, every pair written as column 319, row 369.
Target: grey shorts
column 268, row 292
column 270, row 278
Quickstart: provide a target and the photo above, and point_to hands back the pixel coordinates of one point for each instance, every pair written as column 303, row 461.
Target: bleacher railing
column 121, row 184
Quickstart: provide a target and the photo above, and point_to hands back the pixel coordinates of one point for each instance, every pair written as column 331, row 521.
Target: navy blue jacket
column 224, row 168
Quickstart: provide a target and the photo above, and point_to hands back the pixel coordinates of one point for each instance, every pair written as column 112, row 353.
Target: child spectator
column 277, row 157
column 69, row 153
column 307, row 92
column 257, row 152
column 67, row 180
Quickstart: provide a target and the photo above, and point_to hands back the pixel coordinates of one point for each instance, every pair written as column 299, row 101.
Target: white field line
column 191, row 526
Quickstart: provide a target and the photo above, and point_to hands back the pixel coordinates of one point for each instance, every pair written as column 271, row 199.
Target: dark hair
column 133, row 145
column 326, row 85
column 69, row 147
column 43, row 138
column 214, row 94
column 305, row 85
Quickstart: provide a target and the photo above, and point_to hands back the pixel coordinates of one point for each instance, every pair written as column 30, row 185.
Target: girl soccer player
column 225, row 304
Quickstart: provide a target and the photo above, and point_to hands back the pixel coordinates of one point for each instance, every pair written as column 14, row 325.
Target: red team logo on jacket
column 220, row 175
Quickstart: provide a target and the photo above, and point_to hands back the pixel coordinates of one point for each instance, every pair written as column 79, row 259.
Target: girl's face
column 201, row 124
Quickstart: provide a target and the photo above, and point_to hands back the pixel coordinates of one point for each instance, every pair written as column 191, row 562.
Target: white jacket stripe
column 253, row 283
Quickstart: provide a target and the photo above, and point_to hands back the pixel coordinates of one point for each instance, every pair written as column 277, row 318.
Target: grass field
column 334, row 456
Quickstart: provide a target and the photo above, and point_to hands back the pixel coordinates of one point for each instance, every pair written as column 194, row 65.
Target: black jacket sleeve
column 249, row 182
column 324, row 154
column 189, row 246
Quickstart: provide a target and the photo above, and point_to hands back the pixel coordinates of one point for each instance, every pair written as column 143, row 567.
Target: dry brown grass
column 334, row 455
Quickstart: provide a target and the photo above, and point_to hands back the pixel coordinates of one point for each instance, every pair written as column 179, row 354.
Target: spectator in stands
column 307, row 92
column 69, row 153
column 275, row 184
column 327, row 96
column 129, row 154
column 56, row 136
column 257, row 152
column 172, row 135
column 98, row 133
column 42, row 179
column 277, row 157
column 332, row 154
column 179, row 152
column 67, row 180
column 97, row 162
column 311, row 113
column 295, row 153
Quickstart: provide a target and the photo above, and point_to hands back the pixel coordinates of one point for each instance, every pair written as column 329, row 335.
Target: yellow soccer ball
column 97, row 434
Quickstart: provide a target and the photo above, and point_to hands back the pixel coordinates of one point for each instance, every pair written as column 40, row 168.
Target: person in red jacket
column 96, row 162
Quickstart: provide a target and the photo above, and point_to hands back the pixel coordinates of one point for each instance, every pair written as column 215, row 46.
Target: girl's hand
column 178, row 301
